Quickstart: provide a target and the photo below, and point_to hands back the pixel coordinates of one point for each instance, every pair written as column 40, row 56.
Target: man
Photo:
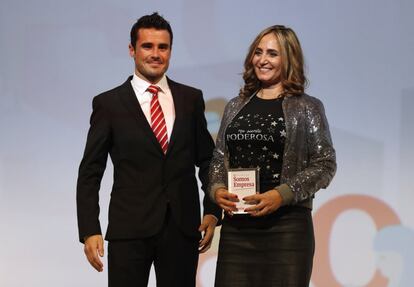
column 155, row 131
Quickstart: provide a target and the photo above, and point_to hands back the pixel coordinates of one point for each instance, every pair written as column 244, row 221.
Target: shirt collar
column 141, row 85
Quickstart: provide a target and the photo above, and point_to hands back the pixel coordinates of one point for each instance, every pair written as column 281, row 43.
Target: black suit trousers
column 174, row 254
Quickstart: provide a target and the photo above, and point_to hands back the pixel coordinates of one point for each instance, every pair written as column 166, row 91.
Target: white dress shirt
column 165, row 99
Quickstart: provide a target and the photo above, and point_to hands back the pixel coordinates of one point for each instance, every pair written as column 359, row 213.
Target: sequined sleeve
column 219, row 162
column 321, row 159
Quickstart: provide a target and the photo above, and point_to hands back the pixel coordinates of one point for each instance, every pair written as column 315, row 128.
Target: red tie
column 157, row 119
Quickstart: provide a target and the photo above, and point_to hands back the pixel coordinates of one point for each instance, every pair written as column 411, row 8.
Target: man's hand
column 94, row 246
column 208, row 225
column 267, row 202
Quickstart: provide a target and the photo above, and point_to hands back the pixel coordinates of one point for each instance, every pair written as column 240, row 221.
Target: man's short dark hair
column 150, row 21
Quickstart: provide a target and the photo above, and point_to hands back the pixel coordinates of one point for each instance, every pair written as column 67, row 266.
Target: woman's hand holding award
column 243, row 182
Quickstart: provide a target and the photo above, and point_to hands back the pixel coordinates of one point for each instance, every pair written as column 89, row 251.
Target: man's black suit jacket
column 145, row 181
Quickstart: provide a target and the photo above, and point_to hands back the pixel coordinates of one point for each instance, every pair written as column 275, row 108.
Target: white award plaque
column 243, row 182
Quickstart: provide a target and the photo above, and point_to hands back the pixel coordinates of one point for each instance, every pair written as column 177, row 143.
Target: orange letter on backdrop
column 324, row 219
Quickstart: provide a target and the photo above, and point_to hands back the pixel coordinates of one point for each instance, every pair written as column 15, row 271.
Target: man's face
column 151, row 54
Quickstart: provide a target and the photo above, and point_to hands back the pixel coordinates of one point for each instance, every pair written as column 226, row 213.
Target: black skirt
column 277, row 255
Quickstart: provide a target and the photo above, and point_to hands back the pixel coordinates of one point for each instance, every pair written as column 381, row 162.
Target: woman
column 275, row 126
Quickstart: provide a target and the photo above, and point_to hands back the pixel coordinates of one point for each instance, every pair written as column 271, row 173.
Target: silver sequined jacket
column 309, row 161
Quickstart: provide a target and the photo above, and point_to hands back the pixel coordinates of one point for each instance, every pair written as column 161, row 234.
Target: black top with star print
column 255, row 138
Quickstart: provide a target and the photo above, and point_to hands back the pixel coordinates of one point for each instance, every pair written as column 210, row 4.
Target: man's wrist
column 87, row 236
column 212, row 215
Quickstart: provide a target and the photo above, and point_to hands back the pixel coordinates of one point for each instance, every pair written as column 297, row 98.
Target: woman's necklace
column 271, row 96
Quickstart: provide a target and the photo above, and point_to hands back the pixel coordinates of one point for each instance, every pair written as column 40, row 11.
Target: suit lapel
column 129, row 99
column 178, row 107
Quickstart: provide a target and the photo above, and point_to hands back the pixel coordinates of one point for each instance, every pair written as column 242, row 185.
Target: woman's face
column 267, row 61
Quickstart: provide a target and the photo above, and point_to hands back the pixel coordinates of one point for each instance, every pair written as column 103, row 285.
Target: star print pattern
column 236, row 125
column 255, row 138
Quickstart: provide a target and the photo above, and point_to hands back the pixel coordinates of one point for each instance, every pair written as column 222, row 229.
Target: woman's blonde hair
column 292, row 74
